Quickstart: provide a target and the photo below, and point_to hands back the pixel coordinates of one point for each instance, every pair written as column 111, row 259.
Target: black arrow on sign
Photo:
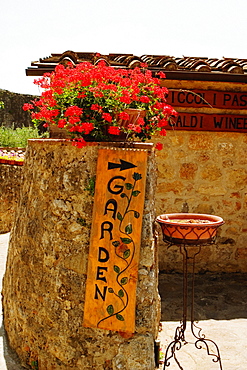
column 123, row 165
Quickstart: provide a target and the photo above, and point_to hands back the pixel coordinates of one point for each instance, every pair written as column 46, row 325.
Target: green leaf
column 110, row 309
column 136, row 214
column 119, row 317
column 115, row 243
column 128, row 229
column 121, row 293
column 35, row 365
column 126, row 254
column 128, row 186
column 124, row 280
column 110, row 290
column 123, row 195
column 119, row 216
column 135, row 193
column 126, row 240
column 117, row 269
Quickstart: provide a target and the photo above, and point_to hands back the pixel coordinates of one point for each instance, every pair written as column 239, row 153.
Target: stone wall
column 44, row 283
column 13, row 115
column 10, row 182
column 206, row 173
column 197, row 172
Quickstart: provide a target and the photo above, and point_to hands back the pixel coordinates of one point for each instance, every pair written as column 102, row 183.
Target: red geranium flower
column 80, row 142
column 74, row 119
column 162, row 123
column 27, row 106
column 161, row 74
column 124, row 116
column 87, row 127
column 159, row 146
column 61, row 123
column 73, row 111
column 144, row 99
column 125, row 99
column 107, row 117
column 163, row 132
column 113, row 130
column 96, row 107
column 135, row 128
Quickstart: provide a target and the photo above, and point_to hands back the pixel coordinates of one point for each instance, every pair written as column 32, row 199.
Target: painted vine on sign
column 125, row 250
column 115, row 240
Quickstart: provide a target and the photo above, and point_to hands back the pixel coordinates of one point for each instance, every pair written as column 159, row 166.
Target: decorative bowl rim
column 166, row 219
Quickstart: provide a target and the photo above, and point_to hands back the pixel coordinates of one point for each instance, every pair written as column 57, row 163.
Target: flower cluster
column 90, row 101
column 7, row 156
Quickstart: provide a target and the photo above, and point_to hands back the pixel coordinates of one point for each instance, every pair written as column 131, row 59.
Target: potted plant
column 189, row 228
column 99, row 103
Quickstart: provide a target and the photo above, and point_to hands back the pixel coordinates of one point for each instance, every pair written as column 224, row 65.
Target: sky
column 30, row 30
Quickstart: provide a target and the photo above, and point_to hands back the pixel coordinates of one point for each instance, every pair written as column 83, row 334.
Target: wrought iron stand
column 189, row 253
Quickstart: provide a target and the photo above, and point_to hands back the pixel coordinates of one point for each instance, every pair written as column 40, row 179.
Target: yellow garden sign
column 115, row 239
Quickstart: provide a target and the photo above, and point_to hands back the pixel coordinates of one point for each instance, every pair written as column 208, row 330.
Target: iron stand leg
column 189, row 253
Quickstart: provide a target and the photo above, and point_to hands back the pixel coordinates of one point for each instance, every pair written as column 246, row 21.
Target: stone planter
column 44, row 282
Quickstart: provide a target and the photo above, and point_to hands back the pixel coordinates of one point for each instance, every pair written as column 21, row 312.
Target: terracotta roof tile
column 155, row 63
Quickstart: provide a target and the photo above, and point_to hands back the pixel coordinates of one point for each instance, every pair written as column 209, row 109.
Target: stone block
column 200, row 142
column 188, row 171
column 211, row 172
column 237, row 179
column 212, row 190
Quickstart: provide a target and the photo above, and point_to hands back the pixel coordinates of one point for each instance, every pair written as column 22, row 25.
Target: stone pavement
column 220, row 305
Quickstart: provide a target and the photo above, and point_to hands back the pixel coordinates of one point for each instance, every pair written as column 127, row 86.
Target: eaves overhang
column 185, row 68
